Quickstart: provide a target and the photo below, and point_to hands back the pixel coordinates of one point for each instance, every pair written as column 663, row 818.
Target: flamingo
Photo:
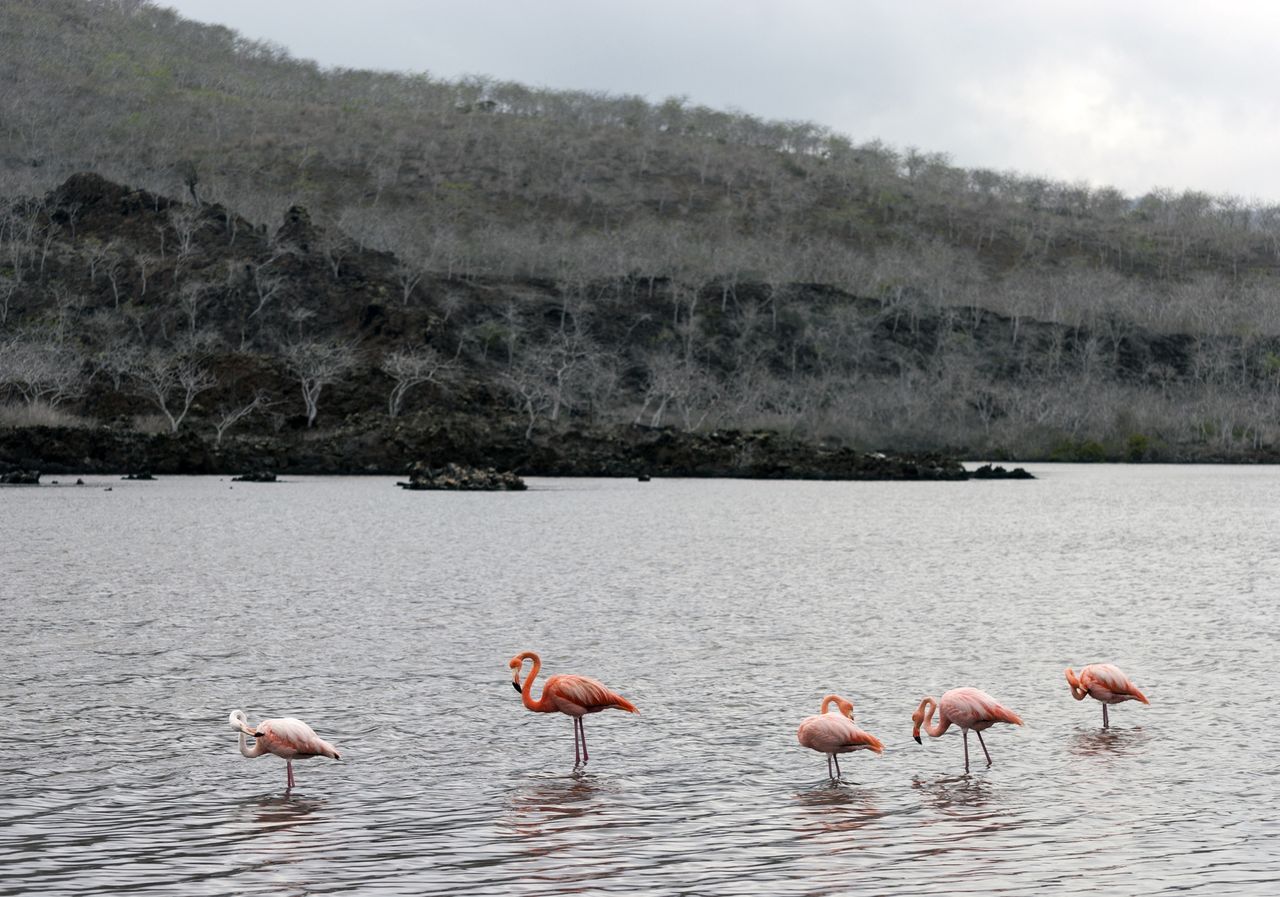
column 1105, row 683
column 968, row 708
column 285, row 737
column 835, row 733
column 568, row 694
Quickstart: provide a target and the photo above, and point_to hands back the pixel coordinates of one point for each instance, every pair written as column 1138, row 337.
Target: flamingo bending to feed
column 835, row 733
column 968, row 708
column 575, row 696
column 285, row 737
column 1106, row 683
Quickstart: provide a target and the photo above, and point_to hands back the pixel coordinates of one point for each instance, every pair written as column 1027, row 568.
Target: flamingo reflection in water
column 835, row 733
column 571, row 695
column 1106, row 683
column 968, row 708
column 285, row 737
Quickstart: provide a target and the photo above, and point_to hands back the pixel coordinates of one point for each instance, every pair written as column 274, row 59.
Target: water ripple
column 136, row 620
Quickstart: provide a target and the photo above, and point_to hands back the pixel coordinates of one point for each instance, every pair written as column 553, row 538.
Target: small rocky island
column 457, row 477
column 255, row 476
column 989, row 472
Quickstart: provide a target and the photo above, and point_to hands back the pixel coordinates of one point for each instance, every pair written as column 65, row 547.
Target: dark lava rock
column 255, row 476
column 456, row 476
column 987, row 472
column 21, row 478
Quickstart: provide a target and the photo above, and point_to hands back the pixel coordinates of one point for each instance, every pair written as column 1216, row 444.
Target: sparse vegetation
column 585, row 260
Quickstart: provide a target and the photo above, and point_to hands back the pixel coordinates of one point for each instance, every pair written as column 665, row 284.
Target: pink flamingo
column 967, row 708
column 574, row 696
column 835, row 733
column 1106, row 683
column 285, row 737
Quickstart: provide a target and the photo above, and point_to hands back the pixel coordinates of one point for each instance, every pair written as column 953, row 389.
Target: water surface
column 134, row 620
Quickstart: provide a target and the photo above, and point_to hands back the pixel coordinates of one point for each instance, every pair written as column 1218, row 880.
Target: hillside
column 551, row 263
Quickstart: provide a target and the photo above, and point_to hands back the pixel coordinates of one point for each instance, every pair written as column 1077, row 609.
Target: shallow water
column 135, row 620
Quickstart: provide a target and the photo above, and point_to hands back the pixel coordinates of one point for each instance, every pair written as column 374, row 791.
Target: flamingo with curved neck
column 1106, row 683
column 968, row 708
column 571, row 695
column 834, row 733
column 285, row 737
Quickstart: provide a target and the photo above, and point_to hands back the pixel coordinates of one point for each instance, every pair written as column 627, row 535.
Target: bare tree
column 413, row 367
column 315, row 364
column 8, row 288
column 171, row 381
column 231, row 413
column 41, row 371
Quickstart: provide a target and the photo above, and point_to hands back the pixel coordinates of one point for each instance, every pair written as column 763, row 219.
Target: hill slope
column 558, row 260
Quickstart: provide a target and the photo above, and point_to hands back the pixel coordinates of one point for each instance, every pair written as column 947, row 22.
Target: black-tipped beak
column 258, row 734
column 515, row 685
column 917, row 738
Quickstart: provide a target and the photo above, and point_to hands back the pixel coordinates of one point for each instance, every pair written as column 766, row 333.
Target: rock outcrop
column 459, row 477
column 21, row 478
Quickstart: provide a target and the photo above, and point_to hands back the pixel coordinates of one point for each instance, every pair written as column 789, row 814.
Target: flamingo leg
column 1105, row 722
column 288, row 768
column 984, row 748
column 836, row 757
column 583, row 729
column 577, row 757
column 966, row 750
column 829, row 773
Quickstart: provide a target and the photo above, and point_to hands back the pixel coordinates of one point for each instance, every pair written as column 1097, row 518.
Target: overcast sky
column 1129, row 93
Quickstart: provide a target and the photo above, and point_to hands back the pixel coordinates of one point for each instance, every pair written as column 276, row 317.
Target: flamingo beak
column 516, row 686
column 916, row 736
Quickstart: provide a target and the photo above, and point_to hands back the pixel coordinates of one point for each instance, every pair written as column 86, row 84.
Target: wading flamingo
column 1103, row 682
column 835, row 733
column 967, row 708
column 285, row 737
column 568, row 694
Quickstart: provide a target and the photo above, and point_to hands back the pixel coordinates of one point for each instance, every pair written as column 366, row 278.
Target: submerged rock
column 458, row 477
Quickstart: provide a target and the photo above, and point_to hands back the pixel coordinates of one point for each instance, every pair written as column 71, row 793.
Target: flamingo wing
column 832, row 733
column 967, row 706
column 1112, row 679
column 576, row 695
column 289, row 737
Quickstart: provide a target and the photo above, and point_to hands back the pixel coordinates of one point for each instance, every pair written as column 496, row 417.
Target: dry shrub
column 17, row 415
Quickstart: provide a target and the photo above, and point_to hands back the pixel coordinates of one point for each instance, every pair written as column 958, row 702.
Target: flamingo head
column 1078, row 691
column 239, row 722
column 917, row 720
column 517, row 664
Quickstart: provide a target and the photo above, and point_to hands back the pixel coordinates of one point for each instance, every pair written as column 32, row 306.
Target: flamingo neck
column 257, row 750
column 844, row 706
column 929, row 705
column 1078, row 691
column 526, row 687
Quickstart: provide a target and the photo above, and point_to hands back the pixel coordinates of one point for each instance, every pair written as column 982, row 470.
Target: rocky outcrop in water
column 255, row 476
column 988, row 472
column 458, row 477
column 21, row 478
